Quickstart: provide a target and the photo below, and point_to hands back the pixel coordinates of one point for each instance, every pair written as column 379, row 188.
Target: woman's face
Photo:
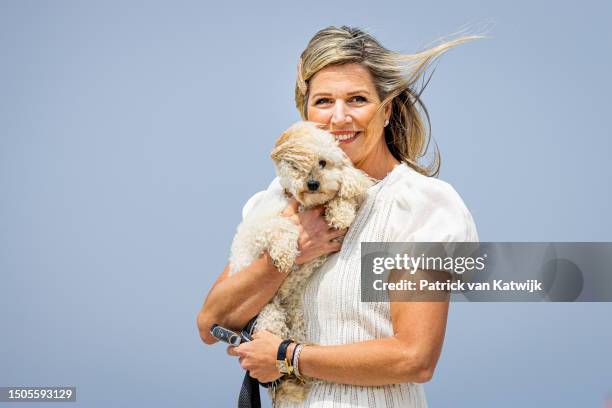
column 343, row 99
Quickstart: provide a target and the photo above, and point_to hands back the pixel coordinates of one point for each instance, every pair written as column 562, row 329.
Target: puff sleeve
column 259, row 198
column 252, row 202
column 426, row 209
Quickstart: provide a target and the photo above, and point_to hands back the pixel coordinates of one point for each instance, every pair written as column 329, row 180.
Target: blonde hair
column 395, row 77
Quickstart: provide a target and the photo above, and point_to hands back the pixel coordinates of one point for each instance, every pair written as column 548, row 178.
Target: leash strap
column 249, row 392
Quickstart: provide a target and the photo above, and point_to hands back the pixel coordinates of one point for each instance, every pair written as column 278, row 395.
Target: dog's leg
column 295, row 316
column 340, row 213
column 283, row 246
column 273, row 318
column 298, row 278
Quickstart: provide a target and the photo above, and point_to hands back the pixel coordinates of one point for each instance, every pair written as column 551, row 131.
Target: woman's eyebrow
column 320, row 94
column 359, row 91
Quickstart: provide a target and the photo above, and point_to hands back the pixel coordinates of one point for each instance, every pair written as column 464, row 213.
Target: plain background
column 131, row 134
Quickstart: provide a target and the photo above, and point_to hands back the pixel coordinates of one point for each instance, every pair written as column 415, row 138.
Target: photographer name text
column 530, row 285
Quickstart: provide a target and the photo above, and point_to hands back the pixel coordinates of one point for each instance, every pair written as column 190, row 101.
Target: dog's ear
column 354, row 183
column 281, row 145
column 293, row 150
column 276, row 153
column 288, row 139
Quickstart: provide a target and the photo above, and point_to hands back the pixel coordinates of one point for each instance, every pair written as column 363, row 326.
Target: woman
column 372, row 354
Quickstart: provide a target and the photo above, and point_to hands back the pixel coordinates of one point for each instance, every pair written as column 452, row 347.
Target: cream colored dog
column 315, row 171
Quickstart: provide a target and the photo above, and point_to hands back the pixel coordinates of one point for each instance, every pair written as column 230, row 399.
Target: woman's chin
column 352, row 150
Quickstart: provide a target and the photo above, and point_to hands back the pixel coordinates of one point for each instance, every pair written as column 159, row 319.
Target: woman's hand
column 316, row 237
column 259, row 356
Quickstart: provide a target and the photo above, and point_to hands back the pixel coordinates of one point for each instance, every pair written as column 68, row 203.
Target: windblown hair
column 396, row 77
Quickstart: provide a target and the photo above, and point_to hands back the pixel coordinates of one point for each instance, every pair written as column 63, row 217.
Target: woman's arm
column 410, row 355
column 234, row 300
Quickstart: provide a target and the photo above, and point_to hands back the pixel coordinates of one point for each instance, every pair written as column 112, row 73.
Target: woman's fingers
column 334, row 246
column 295, row 219
column 231, row 350
column 316, row 238
column 335, row 233
column 291, row 209
column 336, row 237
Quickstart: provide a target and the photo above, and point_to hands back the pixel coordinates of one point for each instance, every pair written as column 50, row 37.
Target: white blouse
column 403, row 207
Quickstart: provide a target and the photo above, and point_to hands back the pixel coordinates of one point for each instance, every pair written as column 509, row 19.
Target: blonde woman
column 368, row 354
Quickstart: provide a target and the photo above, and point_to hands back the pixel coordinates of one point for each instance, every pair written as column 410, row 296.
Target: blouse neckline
column 390, row 174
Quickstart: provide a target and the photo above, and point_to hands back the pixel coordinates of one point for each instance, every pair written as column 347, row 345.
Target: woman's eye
column 322, row 101
column 322, row 163
column 358, row 99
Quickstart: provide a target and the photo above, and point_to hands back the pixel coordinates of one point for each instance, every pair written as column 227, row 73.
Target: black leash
column 249, row 392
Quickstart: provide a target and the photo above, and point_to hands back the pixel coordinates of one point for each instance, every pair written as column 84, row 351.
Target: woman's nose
column 340, row 116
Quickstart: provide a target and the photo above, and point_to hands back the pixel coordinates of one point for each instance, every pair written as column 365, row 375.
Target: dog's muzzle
column 313, row 185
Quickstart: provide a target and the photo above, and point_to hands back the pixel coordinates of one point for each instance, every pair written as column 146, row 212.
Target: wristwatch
column 282, row 363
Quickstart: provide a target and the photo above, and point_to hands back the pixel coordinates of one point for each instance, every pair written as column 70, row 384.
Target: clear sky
column 132, row 132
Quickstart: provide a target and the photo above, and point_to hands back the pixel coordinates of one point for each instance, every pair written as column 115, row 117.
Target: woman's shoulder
column 273, row 189
column 409, row 186
column 426, row 208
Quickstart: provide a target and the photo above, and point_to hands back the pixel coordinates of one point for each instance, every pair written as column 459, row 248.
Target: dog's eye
column 322, row 163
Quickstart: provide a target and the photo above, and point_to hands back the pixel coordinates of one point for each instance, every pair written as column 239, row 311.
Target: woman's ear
column 388, row 111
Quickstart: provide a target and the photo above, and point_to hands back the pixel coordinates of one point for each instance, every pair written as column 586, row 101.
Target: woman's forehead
column 344, row 78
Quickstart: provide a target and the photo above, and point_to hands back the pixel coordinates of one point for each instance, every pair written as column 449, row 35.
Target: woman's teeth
column 345, row 136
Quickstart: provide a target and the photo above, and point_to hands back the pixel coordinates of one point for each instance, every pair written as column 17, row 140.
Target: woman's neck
column 379, row 163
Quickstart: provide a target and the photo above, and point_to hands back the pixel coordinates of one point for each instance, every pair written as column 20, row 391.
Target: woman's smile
column 345, row 136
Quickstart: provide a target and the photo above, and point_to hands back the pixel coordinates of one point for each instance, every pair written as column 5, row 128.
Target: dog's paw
column 283, row 247
column 340, row 214
column 284, row 264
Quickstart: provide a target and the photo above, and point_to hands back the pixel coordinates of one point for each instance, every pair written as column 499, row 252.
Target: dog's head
column 312, row 167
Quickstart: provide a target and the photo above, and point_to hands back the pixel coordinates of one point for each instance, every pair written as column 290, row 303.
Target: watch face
column 282, row 366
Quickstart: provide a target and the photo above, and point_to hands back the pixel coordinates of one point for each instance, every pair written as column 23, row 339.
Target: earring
column 386, row 122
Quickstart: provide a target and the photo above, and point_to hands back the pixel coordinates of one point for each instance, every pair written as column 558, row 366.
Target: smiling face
column 343, row 99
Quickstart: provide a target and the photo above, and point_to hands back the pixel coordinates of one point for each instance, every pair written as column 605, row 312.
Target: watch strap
column 282, row 362
column 282, row 349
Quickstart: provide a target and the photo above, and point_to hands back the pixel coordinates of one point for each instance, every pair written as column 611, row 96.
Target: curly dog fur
column 315, row 171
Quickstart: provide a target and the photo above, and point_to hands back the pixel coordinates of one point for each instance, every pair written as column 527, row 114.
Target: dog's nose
column 313, row 185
